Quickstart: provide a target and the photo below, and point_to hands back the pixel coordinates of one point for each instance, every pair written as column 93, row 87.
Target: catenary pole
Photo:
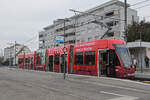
column 64, row 51
column 125, row 16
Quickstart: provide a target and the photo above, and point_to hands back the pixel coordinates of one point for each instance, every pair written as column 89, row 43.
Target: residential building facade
column 90, row 25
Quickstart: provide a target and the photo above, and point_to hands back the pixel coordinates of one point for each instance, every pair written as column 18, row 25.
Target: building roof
column 16, row 46
column 102, row 6
column 138, row 44
column 48, row 27
column 12, row 46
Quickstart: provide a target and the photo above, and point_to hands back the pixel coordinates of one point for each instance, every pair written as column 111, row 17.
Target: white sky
column 21, row 20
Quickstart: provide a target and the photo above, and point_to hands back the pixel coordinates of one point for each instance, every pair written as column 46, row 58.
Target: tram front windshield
column 124, row 54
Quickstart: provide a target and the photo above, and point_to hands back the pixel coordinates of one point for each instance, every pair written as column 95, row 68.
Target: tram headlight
column 117, row 70
column 131, row 74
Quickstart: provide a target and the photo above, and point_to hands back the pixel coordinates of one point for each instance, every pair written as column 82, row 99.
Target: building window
column 70, row 34
column 116, row 12
column 112, row 13
column 116, row 22
column 102, row 17
column 89, row 38
column 41, row 35
column 79, row 58
column 110, row 34
column 78, row 41
column 59, row 29
column 112, row 23
column 71, row 41
column 82, row 23
column 109, row 14
column 96, row 37
column 90, row 58
column 66, row 28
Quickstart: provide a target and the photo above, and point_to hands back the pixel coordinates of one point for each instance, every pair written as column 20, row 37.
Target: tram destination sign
column 119, row 45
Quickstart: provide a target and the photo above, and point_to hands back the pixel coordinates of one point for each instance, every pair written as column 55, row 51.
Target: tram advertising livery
column 105, row 57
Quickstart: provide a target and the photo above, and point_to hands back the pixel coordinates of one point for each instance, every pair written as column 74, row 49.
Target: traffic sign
column 59, row 39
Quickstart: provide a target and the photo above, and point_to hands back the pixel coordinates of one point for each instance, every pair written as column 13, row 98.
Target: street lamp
column 64, row 21
column 125, row 18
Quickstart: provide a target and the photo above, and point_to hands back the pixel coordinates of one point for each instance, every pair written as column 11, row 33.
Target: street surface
column 19, row 84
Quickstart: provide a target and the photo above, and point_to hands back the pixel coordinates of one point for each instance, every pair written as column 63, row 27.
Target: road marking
column 126, row 80
column 121, row 97
column 107, row 85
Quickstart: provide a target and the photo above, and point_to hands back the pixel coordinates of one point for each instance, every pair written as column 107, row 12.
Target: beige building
column 11, row 53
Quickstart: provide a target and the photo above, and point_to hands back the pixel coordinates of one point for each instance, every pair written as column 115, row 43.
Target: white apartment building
column 90, row 25
column 9, row 53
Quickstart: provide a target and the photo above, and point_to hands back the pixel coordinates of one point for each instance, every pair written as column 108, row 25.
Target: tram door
column 50, row 63
column 31, row 66
column 62, row 63
column 26, row 63
column 103, row 62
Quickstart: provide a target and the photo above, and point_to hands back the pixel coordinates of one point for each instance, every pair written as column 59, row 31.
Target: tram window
column 29, row 60
column 79, row 58
column 90, row 58
column 113, row 59
column 51, row 59
column 38, row 60
column 26, row 60
column 62, row 58
column 56, row 59
column 20, row 60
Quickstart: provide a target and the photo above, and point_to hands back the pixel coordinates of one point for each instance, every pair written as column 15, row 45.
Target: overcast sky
column 21, row 20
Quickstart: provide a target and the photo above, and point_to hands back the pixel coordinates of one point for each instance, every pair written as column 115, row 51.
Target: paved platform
column 144, row 75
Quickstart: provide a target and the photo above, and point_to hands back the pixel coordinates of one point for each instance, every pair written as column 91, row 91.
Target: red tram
column 105, row 57
column 102, row 57
column 26, row 61
column 21, row 60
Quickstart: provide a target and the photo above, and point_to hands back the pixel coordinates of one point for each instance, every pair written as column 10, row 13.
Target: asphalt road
column 18, row 84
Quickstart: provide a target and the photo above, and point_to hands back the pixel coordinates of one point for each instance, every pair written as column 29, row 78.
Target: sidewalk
column 143, row 75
